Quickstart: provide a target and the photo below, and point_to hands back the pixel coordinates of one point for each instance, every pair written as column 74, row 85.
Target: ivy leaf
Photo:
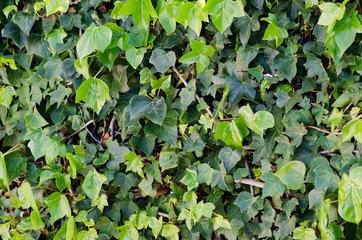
column 108, row 57
column 141, row 11
column 223, row 12
column 56, row 36
column 190, row 179
column 292, row 174
column 330, row 13
column 272, row 185
column 13, row 31
column 53, row 6
column 346, row 30
column 273, row 32
column 353, row 129
column 94, row 38
column 93, row 183
column 282, row 98
column 135, row 56
column 167, row 13
column 3, row 173
column 232, row 133
column 200, row 55
column 94, row 92
column 350, row 195
column 325, row 179
column 248, row 53
column 155, row 109
column 58, row 206
column 6, row 95
column 162, row 60
column 286, row 62
column 229, row 157
column 244, row 201
column 296, row 131
column 25, row 21
column 191, row 14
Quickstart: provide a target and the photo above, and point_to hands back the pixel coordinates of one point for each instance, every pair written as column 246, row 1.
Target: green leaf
column 94, row 38
column 335, row 118
column 200, row 55
column 247, row 54
column 330, row 13
column 229, row 157
column 134, row 164
column 304, row 233
column 108, row 57
column 272, row 185
column 39, row 144
column 93, row 183
column 168, row 159
column 167, row 15
column 286, row 62
column 36, row 221
column 135, row 56
column 94, row 92
column 282, row 98
column 223, row 12
column 56, row 36
column 35, row 120
column 350, row 195
column 191, row 14
column 353, row 129
column 6, row 95
column 292, row 175
column 58, row 206
column 141, row 11
column 143, row 106
column 25, row 21
column 204, row 173
column 3, row 173
column 53, row 6
column 273, row 32
column 244, row 201
column 190, row 179
column 162, row 60
column 296, row 131
column 325, row 179
column 15, row 164
column 232, row 133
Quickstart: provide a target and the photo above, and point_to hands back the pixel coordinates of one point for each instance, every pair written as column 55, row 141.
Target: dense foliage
column 217, row 119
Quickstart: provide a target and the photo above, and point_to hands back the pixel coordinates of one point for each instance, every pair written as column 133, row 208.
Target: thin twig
column 249, row 173
column 323, row 130
column 345, row 110
column 250, row 182
column 111, row 125
column 162, row 214
column 81, row 129
column 354, row 119
column 196, row 96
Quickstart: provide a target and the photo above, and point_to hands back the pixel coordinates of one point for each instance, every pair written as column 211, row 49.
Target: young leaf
column 93, row 183
column 200, row 55
column 232, row 133
column 94, row 92
column 3, row 173
column 58, row 206
column 191, row 14
column 223, row 12
column 94, row 38
column 53, row 6
column 141, row 11
column 273, row 32
column 292, row 175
